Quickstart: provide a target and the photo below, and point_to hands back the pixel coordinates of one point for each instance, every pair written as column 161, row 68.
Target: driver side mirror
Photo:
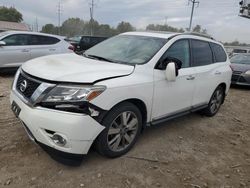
column 2, row 43
column 173, row 66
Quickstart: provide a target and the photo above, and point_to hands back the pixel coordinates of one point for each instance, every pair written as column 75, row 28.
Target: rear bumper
column 79, row 130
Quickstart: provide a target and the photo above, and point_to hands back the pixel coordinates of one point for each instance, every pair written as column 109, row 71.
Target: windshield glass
column 241, row 59
column 127, row 49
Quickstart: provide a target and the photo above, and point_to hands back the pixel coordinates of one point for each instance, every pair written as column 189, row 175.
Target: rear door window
column 42, row 40
column 219, row 53
column 202, row 53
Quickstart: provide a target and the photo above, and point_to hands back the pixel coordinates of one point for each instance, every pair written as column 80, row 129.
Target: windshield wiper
column 100, row 58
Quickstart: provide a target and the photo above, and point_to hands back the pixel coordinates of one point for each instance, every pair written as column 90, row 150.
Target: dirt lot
column 193, row 151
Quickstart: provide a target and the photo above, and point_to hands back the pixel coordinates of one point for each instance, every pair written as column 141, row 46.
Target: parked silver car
column 241, row 69
column 17, row 47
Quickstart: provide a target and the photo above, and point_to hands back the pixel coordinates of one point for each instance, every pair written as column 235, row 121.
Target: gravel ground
column 192, row 151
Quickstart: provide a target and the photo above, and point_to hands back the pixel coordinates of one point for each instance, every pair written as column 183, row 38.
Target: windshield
column 241, row 59
column 127, row 49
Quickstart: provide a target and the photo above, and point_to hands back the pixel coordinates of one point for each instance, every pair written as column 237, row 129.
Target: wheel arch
column 224, row 86
column 140, row 105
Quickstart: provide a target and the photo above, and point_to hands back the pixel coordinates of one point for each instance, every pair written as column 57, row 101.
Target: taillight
column 71, row 48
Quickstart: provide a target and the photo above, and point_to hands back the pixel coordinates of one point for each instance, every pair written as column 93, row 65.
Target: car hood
column 240, row 67
column 74, row 68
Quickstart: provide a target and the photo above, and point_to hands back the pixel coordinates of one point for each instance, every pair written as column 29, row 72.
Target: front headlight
column 64, row 93
column 248, row 72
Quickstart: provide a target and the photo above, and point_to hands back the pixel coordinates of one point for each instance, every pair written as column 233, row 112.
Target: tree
column 198, row 29
column 158, row 27
column 124, row 27
column 10, row 14
column 72, row 27
column 76, row 26
column 49, row 28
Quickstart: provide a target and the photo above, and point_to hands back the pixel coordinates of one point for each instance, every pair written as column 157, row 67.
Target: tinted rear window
column 239, row 51
column 202, row 54
column 42, row 40
column 219, row 53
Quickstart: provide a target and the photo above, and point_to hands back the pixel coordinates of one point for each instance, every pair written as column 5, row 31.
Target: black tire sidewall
column 208, row 111
column 101, row 142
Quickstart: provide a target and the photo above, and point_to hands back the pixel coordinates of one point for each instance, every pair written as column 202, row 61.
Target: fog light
column 59, row 139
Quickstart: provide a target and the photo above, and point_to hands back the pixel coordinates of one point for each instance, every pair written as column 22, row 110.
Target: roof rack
column 199, row 35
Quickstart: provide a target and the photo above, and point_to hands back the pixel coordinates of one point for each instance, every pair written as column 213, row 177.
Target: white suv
column 137, row 79
column 17, row 47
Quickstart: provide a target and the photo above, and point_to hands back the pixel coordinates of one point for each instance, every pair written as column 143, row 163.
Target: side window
column 16, row 40
column 219, row 53
column 179, row 50
column 42, row 40
column 202, row 54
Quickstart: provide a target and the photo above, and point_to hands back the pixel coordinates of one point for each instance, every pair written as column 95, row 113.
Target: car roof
column 157, row 34
column 32, row 33
column 170, row 35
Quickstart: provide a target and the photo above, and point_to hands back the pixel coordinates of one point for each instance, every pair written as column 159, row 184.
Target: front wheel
column 215, row 102
column 123, row 126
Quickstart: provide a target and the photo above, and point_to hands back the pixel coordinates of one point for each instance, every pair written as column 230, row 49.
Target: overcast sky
column 220, row 18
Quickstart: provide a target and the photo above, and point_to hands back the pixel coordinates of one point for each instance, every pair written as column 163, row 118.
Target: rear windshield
column 239, row 51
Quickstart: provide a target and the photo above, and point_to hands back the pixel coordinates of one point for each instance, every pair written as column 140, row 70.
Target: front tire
column 123, row 127
column 215, row 102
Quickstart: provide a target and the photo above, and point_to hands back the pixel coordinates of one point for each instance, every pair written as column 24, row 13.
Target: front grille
column 31, row 86
column 235, row 78
column 242, row 79
column 237, row 72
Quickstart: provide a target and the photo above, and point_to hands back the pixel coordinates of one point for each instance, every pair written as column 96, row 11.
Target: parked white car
column 17, row 47
column 119, row 86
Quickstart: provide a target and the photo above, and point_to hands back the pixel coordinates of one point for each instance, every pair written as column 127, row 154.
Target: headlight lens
column 63, row 93
column 248, row 72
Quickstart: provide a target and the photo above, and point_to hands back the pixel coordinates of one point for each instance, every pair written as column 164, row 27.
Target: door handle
column 25, row 50
column 52, row 49
column 217, row 73
column 190, row 77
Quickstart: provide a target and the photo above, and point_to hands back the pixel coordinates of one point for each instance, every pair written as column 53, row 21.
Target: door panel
column 172, row 97
column 43, row 45
column 15, row 52
column 43, row 50
column 14, row 55
column 207, row 72
column 207, row 79
column 177, row 96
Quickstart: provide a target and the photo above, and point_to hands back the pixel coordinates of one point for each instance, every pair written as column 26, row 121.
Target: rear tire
column 123, row 127
column 215, row 102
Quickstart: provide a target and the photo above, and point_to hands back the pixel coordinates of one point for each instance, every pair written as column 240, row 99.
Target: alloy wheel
column 216, row 101
column 122, row 131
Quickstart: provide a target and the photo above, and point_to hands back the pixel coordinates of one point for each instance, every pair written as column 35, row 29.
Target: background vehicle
column 241, row 69
column 82, row 43
column 18, row 47
column 116, row 88
column 238, row 51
